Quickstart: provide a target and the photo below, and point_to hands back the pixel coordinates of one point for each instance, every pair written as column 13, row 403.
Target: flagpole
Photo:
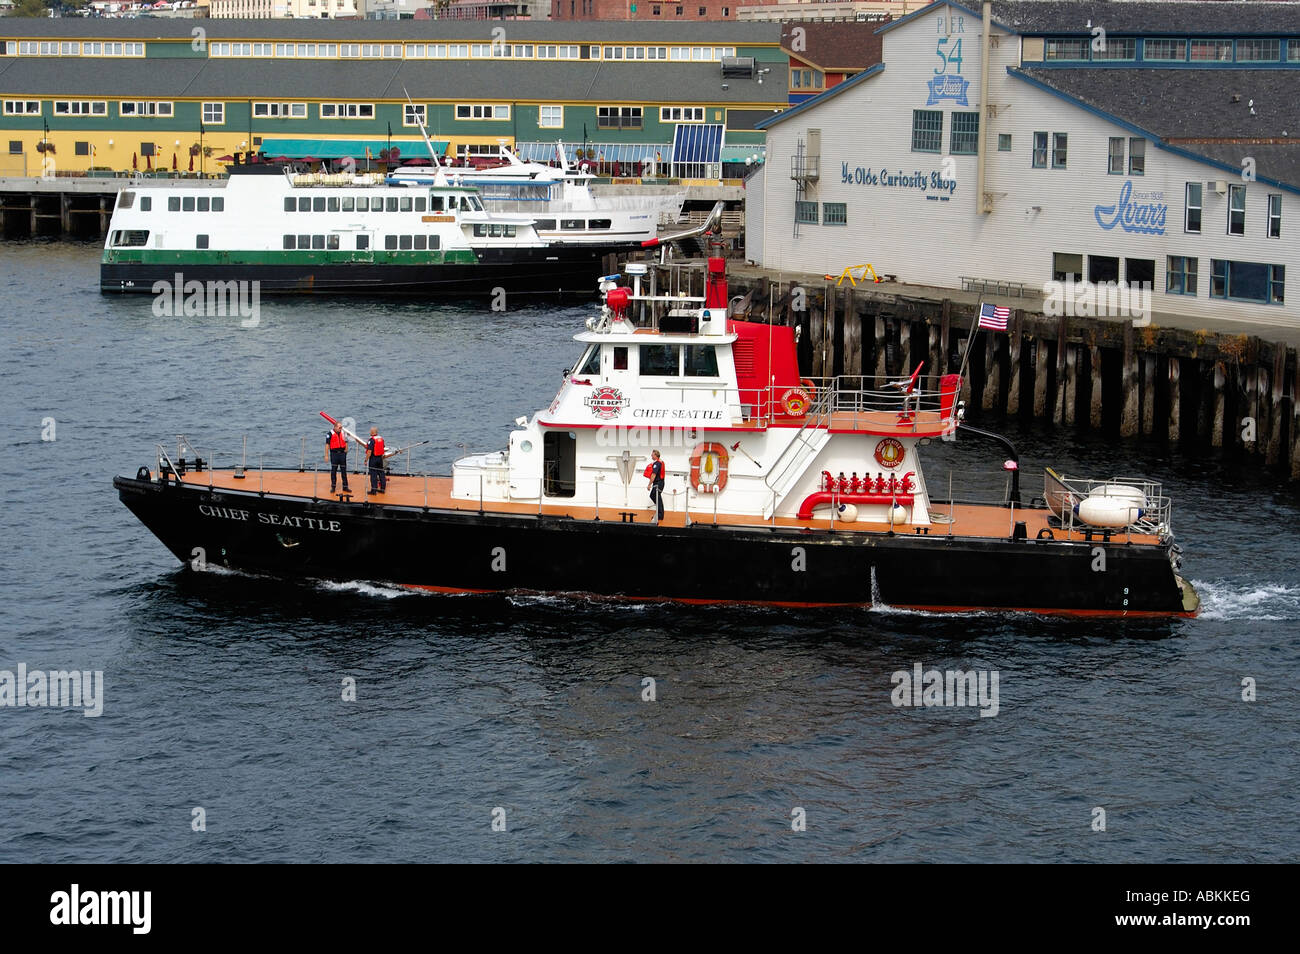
column 974, row 324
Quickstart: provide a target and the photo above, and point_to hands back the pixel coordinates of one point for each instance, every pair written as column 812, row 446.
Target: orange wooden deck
column 969, row 520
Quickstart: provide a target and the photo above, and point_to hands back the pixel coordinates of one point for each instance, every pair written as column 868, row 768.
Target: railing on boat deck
column 1065, row 495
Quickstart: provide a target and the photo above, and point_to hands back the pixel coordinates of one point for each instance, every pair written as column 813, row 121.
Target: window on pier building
column 1274, row 216
column 1259, row 51
column 1040, row 150
column 1004, row 142
column 965, row 137
column 835, row 213
column 1140, row 271
column 1067, row 265
column 1137, row 156
column 1236, row 210
column 214, row 114
column 1116, row 48
column 658, row 360
column 1103, row 269
column 1115, row 165
column 1248, row 281
column 1059, row 144
column 1192, row 202
column 1180, row 275
column 805, row 212
column 927, row 130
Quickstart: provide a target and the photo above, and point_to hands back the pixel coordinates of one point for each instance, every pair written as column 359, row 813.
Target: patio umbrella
column 417, row 162
column 135, row 162
column 175, row 165
column 225, row 159
column 191, row 163
column 148, row 163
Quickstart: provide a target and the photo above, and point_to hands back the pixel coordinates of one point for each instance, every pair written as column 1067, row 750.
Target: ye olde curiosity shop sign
column 917, row 180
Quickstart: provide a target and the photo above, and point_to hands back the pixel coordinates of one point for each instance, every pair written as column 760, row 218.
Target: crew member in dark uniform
column 375, row 458
column 655, row 471
column 336, row 453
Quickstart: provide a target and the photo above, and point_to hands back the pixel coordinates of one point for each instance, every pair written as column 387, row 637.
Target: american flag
column 994, row 317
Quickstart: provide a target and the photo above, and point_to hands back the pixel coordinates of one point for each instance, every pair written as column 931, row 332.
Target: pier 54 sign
column 1147, row 218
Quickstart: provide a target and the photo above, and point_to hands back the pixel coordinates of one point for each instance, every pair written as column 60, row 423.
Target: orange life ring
column 709, row 468
column 807, row 385
column 795, row 402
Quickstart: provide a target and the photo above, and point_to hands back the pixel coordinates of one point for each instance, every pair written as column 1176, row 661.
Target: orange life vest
column 337, row 440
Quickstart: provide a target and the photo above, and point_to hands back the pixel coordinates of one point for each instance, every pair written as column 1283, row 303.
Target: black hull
column 555, row 272
column 463, row 551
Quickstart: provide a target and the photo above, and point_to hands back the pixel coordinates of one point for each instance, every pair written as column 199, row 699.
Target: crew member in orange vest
column 375, row 458
column 336, row 455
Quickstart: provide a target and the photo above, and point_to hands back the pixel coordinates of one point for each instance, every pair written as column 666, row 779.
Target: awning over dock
column 344, row 148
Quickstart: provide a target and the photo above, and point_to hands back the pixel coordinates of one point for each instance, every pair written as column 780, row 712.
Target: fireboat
column 781, row 489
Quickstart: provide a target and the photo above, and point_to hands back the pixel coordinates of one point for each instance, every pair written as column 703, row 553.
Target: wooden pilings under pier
column 1191, row 388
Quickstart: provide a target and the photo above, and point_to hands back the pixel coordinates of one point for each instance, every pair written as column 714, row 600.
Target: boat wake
column 383, row 591
column 1221, row 599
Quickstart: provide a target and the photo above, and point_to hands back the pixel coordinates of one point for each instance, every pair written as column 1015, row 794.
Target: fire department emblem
column 606, row 402
column 889, row 452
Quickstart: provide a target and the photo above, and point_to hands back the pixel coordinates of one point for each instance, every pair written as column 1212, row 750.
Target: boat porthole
column 525, row 446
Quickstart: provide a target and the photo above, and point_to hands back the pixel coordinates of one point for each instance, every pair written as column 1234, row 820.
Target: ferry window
column 591, row 365
column 404, row 203
column 187, row 203
column 620, row 358
column 390, row 242
column 125, row 199
column 391, row 203
column 435, row 203
column 318, row 204
column 304, row 241
column 545, row 224
column 146, row 204
column 200, row 241
column 1067, row 265
column 421, row 242
column 658, row 360
column 363, row 242
column 572, row 224
column 434, row 241
column 349, row 203
column 304, row 203
column 173, row 203
column 701, row 361
column 363, row 203
column 331, row 241
column 332, row 204
column 419, row 203
column 404, row 242
column 131, row 238
column 289, row 241
column 480, row 231
column 203, row 203
column 318, row 241
column 600, row 223
column 218, row 203
column 510, row 231
column 290, row 204
column 1103, row 269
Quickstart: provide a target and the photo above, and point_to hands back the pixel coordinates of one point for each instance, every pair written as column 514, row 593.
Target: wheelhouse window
column 658, row 360
column 590, row 364
column 700, row 361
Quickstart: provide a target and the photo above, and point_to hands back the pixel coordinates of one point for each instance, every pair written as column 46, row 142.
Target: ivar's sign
column 1147, row 218
column 917, row 179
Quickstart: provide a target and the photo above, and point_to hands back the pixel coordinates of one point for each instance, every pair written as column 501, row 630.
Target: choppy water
column 223, row 691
